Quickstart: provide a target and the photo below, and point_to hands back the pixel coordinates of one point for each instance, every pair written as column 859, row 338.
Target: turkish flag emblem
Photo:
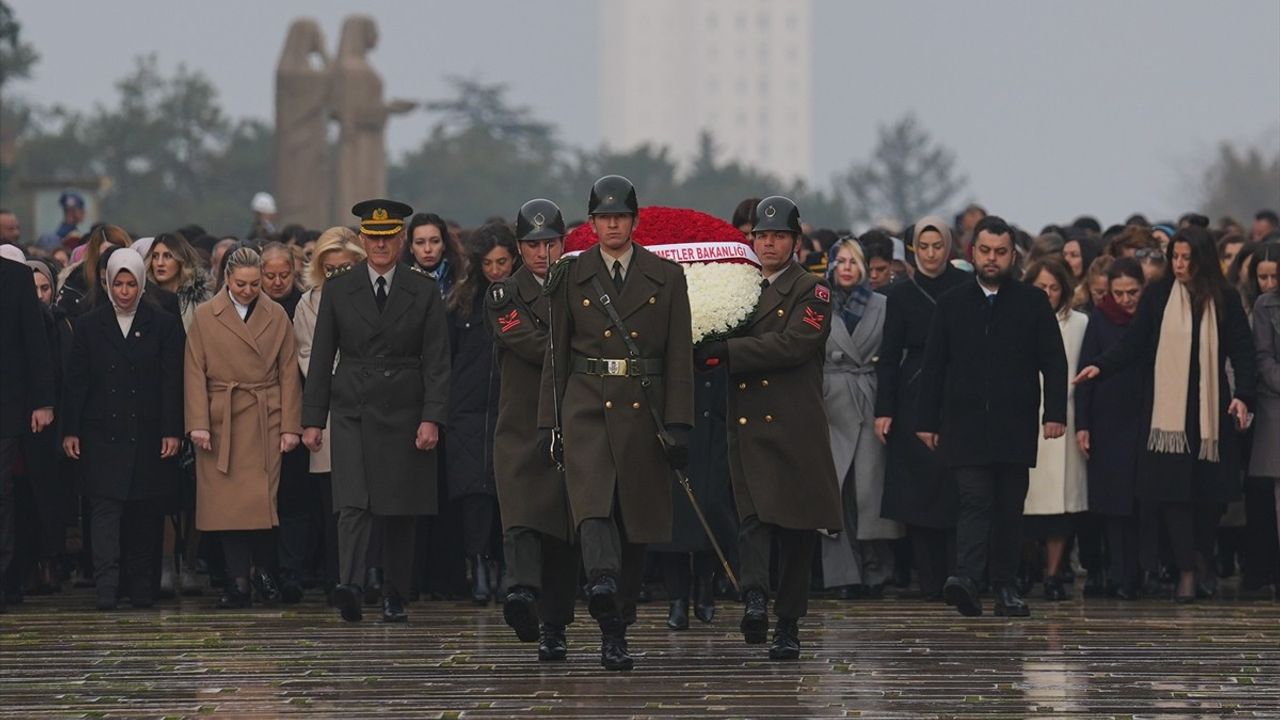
column 822, row 293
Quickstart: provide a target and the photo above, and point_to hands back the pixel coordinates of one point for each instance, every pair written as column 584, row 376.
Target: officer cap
column 777, row 213
column 381, row 217
column 613, row 194
column 539, row 219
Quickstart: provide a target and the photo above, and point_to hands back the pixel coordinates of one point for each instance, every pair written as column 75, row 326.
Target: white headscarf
column 12, row 252
column 142, row 246
column 122, row 260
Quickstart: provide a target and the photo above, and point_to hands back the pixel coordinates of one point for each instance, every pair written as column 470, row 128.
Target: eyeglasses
column 1153, row 254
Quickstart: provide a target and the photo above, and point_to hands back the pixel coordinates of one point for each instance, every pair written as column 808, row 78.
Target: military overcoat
column 392, row 375
column 531, row 491
column 610, row 440
column 779, row 443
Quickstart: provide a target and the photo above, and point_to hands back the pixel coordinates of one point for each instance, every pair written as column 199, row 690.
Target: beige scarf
column 1173, row 366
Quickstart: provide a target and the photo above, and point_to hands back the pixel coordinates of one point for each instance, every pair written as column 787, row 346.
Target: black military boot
column 786, row 640
column 704, row 598
column 1010, row 604
column 678, row 615
column 602, row 598
column 521, row 613
column 613, row 646
column 552, row 646
column 755, row 617
column 264, row 583
column 373, row 586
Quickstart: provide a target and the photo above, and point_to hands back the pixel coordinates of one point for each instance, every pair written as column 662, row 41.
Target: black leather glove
column 711, row 354
column 678, row 448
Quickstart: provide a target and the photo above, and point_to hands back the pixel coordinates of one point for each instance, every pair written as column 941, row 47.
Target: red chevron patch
column 509, row 321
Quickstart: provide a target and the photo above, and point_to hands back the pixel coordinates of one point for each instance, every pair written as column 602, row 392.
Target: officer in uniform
column 385, row 323
column 542, row 563
column 620, row 363
column 784, row 480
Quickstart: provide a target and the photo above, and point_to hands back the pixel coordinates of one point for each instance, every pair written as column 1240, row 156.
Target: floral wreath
column 720, row 268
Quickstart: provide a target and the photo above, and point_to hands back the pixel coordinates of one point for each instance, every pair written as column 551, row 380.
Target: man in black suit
column 991, row 342
column 26, row 387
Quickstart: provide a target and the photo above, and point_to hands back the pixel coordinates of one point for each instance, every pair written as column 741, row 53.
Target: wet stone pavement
column 872, row 658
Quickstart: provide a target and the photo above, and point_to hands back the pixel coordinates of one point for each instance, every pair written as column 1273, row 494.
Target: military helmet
column 539, row 219
column 777, row 213
column 613, row 194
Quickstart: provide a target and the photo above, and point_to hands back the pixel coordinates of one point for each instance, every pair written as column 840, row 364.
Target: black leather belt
column 620, row 367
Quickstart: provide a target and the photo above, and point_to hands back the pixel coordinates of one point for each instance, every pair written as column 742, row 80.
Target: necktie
column 381, row 294
column 992, row 300
column 617, row 275
column 764, row 284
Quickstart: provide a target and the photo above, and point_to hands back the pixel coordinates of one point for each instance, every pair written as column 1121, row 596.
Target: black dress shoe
column 961, row 593
column 1206, row 589
column 755, row 618
column 1010, row 604
column 234, row 597
column 1127, row 592
column 678, row 615
column 290, row 589
column 613, row 646
column 264, row 584
column 786, row 640
column 393, row 610
column 602, row 598
column 520, row 610
column 373, row 586
column 552, row 647
column 347, row 599
column 704, row 606
column 106, row 598
column 645, row 595
column 1054, row 590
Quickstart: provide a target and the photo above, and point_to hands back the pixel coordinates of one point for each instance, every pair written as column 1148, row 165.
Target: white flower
column 722, row 297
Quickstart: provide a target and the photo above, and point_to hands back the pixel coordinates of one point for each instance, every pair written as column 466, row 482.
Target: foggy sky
column 1052, row 108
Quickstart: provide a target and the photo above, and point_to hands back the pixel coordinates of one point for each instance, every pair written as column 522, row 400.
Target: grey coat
column 849, row 396
column 1265, row 461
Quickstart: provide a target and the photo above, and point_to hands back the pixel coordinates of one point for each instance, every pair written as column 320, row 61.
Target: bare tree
column 907, row 177
column 1241, row 181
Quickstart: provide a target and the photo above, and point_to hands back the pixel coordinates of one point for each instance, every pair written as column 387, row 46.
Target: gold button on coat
column 608, row 333
column 608, row 404
column 653, row 300
column 586, row 302
column 635, row 406
column 768, row 418
column 635, row 334
column 742, row 421
column 781, row 312
column 764, row 383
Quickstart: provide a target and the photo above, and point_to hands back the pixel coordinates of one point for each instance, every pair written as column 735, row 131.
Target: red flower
column 664, row 226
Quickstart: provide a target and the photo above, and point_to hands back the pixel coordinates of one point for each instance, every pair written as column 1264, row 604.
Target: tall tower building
column 741, row 69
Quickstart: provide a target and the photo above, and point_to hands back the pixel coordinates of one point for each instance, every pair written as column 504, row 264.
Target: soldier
column 619, row 362
column 386, row 325
column 542, row 564
column 784, row 479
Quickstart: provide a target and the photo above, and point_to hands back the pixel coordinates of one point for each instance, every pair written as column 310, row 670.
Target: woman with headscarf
column 244, row 411
column 918, row 489
column 1186, row 329
column 860, row 558
column 434, row 250
column 78, row 287
column 1057, row 491
column 123, row 418
column 335, row 252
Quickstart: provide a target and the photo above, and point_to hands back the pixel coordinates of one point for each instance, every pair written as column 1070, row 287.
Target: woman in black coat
column 1183, row 486
column 473, row 401
column 123, row 401
column 1109, row 425
column 917, row 489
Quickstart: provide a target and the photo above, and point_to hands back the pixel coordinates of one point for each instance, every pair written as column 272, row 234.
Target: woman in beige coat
column 243, row 410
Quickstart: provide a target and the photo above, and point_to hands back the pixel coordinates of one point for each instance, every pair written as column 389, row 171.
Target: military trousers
column 355, row 526
column 548, row 566
column 795, row 563
column 605, row 551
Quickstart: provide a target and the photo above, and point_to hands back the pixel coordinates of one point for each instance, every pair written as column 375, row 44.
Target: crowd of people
column 1108, row 404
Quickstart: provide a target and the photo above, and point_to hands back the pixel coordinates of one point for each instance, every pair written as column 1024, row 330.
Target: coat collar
column 855, row 344
column 140, row 328
column 645, row 277
column 249, row 331
column 530, row 292
column 778, row 290
column 399, row 300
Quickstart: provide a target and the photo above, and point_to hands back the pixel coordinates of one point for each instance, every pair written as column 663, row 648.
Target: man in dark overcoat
column 613, row 381
column 385, row 324
column 992, row 341
column 542, row 563
column 784, row 478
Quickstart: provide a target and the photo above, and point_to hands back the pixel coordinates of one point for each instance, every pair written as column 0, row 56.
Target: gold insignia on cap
column 538, row 220
column 770, row 211
column 609, row 199
column 379, row 214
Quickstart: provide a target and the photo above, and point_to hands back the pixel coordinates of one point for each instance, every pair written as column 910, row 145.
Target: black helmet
column 613, row 194
column 777, row 213
column 539, row 219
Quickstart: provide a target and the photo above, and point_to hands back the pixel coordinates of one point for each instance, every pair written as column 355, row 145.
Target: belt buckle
column 616, row 367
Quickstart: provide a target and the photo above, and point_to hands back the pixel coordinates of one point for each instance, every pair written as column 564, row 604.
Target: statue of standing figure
column 310, row 91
